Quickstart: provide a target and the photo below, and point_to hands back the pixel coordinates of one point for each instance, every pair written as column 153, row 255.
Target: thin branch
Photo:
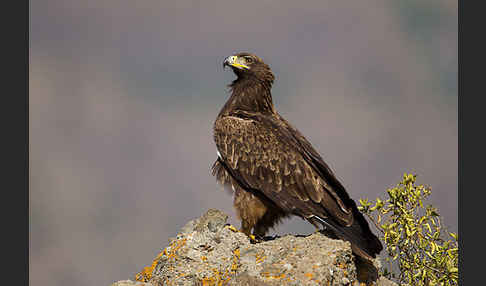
column 375, row 223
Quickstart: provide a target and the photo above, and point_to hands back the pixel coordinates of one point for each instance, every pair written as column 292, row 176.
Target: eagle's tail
column 363, row 242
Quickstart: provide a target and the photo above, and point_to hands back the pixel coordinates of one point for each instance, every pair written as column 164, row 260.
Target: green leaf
column 454, row 235
column 453, row 270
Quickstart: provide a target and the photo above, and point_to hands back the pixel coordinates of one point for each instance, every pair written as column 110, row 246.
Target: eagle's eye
column 249, row 60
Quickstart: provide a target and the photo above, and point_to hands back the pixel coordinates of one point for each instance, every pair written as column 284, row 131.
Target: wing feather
column 277, row 164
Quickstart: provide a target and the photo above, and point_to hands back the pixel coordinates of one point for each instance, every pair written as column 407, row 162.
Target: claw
column 232, row 228
column 255, row 239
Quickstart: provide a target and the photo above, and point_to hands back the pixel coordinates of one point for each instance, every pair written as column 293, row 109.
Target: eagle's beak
column 234, row 61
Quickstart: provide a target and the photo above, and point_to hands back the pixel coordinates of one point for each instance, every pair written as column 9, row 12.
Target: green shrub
column 415, row 241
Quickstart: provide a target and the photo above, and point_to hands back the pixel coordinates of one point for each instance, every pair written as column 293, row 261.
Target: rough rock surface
column 208, row 252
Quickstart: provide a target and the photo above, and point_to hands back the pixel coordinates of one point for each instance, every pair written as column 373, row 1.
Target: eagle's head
column 249, row 66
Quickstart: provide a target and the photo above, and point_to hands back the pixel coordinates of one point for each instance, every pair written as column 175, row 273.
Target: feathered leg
column 271, row 217
column 249, row 209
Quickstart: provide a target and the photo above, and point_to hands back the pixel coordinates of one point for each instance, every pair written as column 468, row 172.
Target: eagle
column 272, row 168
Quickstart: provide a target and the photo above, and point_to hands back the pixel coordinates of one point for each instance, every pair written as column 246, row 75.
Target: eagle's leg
column 246, row 227
column 260, row 228
column 249, row 209
column 271, row 217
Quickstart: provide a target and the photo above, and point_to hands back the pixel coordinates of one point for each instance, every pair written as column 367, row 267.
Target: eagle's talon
column 255, row 239
column 232, row 228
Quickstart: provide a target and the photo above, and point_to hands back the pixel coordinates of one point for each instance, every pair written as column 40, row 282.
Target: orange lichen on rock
column 259, row 258
column 174, row 246
column 146, row 273
column 309, row 275
column 220, row 278
column 170, row 252
column 270, row 275
column 236, row 260
column 208, row 253
column 281, row 276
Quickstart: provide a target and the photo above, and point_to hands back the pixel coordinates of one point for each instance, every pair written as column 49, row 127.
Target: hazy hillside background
column 123, row 95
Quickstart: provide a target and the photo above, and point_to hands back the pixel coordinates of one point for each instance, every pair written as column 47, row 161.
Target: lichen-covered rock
column 130, row 283
column 207, row 251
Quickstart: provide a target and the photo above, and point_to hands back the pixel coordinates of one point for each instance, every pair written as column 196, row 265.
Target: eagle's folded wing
column 263, row 155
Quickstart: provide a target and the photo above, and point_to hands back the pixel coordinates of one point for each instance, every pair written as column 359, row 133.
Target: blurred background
column 123, row 95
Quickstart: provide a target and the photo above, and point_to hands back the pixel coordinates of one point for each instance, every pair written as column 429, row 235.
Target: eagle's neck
column 249, row 94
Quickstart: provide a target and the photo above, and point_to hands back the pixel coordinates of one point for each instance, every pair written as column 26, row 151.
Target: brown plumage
column 273, row 170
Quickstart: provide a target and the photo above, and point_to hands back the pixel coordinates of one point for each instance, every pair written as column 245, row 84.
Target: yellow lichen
column 170, row 252
column 220, row 278
column 236, row 252
column 259, row 258
column 279, row 276
column 236, row 260
column 146, row 273
column 309, row 275
column 269, row 275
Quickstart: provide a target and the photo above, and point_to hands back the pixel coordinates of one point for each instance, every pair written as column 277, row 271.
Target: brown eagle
column 273, row 170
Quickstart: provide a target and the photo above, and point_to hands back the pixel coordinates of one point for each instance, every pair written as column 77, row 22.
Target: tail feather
column 363, row 242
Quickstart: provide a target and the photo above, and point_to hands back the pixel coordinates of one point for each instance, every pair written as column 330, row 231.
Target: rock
column 208, row 252
column 131, row 283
